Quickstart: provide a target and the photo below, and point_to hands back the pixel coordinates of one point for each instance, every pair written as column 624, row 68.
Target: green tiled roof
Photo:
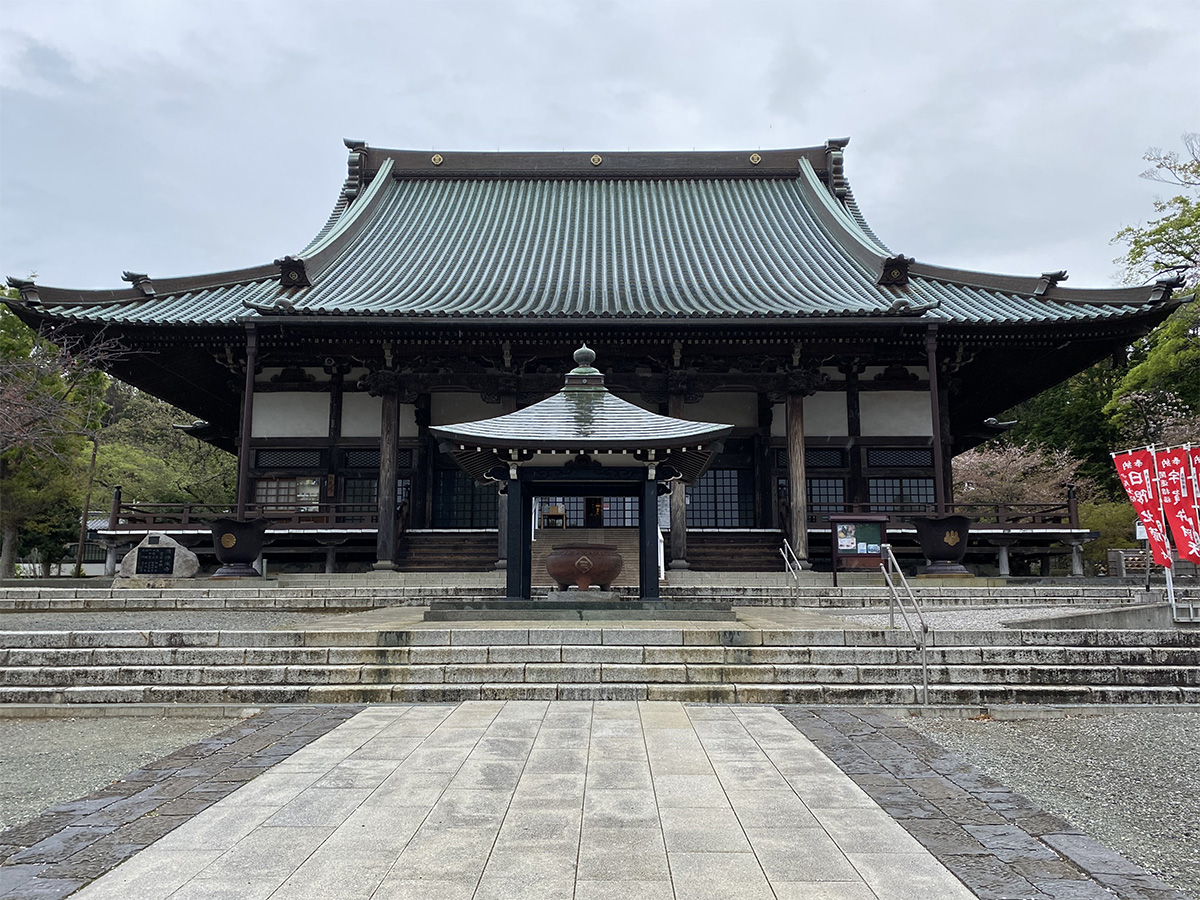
column 647, row 237
column 583, row 417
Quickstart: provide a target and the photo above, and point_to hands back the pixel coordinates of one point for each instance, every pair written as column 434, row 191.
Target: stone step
column 35, row 657
column 840, row 694
column 582, row 672
column 392, row 588
column 591, row 636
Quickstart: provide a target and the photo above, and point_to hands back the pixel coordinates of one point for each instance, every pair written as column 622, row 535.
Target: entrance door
column 593, row 512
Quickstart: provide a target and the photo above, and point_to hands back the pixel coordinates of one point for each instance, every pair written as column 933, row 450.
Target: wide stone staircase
column 966, row 668
column 449, row 550
column 476, row 550
column 749, row 550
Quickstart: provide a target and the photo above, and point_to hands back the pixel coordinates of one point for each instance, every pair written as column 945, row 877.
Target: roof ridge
column 350, row 188
column 852, row 207
column 582, row 164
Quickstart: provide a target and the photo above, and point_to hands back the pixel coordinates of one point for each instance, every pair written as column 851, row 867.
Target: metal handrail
column 791, row 563
column 662, row 556
column 890, row 566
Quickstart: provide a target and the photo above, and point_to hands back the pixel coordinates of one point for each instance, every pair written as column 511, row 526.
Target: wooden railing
column 141, row 516
column 1018, row 514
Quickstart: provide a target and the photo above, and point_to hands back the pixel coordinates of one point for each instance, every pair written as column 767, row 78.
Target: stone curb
column 998, row 842
column 74, row 843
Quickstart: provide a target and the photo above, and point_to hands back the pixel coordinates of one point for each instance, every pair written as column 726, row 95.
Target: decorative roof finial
column 584, row 376
column 585, row 356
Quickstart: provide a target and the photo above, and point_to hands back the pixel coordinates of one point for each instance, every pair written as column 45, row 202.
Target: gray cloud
column 179, row 137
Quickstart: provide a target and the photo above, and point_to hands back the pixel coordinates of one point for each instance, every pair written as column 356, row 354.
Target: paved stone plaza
column 548, row 799
column 544, row 800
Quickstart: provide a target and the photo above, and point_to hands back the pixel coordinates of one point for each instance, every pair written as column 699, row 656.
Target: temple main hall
column 743, row 289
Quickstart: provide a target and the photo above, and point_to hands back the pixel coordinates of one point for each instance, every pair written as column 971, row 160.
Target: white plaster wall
column 360, row 415
column 291, row 414
column 738, row 408
column 824, row 416
column 895, row 413
column 452, row 409
column 408, row 420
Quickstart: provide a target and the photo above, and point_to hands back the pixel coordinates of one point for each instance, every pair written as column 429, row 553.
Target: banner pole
column 1194, row 477
column 1166, row 531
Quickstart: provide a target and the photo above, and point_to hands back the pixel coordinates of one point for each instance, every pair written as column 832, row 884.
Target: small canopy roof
column 582, row 418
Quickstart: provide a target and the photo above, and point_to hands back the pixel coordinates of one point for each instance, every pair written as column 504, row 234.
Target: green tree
column 1151, row 394
column 1157, row 400
column 68, row 431
column 1071, row 417
column 154, row 461
column 50, row 396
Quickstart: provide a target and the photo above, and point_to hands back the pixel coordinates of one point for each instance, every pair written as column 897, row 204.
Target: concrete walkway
column 578, row 800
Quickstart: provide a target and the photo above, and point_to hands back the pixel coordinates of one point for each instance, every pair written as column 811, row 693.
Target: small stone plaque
column 155, row 561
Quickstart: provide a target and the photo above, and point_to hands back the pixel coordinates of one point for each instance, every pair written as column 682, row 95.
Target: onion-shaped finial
column 585, row 356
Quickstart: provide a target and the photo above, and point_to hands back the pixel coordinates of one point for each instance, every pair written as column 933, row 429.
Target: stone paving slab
column 999, row 843
column 73, row 843
column 573, row 799
column 511, row 799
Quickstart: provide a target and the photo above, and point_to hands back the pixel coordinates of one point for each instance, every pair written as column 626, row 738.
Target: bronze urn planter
column 944, row 542
column 237, row 545
column 584, row 565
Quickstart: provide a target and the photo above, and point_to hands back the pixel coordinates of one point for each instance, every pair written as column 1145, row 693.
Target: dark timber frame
column 544, row 482
column 607, row 447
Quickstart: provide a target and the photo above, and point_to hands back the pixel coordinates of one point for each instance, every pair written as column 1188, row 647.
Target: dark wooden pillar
column 519, row 551
column 508, row 404
column 243, row 481
column 389, row 437
column 797, row 477
column 648, row 540
column 425, row 465
column 678, row 502
column 939, row 462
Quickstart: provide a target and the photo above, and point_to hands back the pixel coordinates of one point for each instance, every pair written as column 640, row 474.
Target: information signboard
column 857, row 542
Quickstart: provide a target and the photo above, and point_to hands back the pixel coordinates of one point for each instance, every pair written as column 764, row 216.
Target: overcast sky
column 176, row 137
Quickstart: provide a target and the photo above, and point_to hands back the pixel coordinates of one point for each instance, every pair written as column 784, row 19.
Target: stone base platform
column 578, row 608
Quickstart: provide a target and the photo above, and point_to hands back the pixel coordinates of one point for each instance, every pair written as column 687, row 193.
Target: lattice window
column 899, row 494
column 722, row 498
column 826, row 495
column 460, row 502
column 572, row 508
column 361, row 490
column 900, row 458
column 275, row 491
column 815, row 458
column 621, row 512
column 285, row 494
column 825, row 458
column 404, row 459
column 288, row 459
column 361, row 459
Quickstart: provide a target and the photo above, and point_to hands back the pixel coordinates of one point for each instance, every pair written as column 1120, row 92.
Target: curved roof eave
column 558, row 423
column 334, row 260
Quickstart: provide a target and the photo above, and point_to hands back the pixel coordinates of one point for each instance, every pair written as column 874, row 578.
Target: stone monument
column 158, row 561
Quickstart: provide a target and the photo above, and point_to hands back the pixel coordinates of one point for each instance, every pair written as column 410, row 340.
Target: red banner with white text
column 1177, row 492
column 1136, row 471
